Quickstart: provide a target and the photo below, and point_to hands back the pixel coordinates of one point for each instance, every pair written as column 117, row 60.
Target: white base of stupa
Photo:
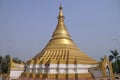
column 58, row 68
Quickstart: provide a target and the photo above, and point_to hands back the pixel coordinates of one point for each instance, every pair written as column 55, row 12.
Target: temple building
column 61, row 59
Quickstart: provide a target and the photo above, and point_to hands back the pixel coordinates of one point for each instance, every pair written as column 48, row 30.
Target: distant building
column 15, row 70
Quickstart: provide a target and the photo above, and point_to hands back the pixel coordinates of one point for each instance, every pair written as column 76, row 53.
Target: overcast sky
column 27, row 25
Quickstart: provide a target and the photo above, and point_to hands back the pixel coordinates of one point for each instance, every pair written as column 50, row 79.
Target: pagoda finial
column 60, row 16
column 60, row 5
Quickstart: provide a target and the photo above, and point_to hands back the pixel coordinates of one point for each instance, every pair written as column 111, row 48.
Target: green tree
column 115, row 56
column 17, row 60
column 5, row 64
column 101, row 58
column 1, row 59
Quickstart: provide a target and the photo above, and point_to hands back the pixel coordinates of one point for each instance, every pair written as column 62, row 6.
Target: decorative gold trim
column 59, row 76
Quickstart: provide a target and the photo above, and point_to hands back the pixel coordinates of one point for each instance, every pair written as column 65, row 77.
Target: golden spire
column 60, row 16
column 61, row 35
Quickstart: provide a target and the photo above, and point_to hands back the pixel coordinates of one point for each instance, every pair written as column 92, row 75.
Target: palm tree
column 116, row 57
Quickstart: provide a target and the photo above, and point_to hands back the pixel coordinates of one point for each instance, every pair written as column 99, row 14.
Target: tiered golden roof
column 61, row 48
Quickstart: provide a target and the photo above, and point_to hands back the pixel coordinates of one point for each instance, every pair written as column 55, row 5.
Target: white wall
column 15, row 74
column 97, row 73
column 59, row 68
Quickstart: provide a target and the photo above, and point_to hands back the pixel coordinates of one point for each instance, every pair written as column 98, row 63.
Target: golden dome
column 61, row 48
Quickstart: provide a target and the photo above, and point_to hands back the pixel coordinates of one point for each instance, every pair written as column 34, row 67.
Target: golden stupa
column 61, row 47
column 60, row 59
